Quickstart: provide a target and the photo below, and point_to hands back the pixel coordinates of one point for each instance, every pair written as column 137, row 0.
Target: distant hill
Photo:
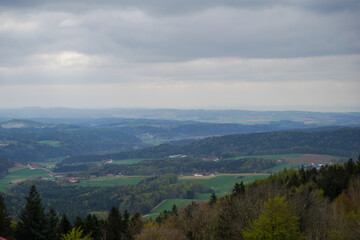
column 342, row 142
column 199, row 115
column 24, row 123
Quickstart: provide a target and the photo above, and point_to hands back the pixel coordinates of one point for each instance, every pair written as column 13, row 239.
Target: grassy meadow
column 225, row 182
column 50, row 143
column 19, row 175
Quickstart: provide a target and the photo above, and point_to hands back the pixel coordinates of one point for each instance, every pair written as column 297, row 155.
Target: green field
column 155, row 141
column 225, row 183
column 50, row 161
column 282, row 167
column 50, row 143
column 24, row 173
column 168, row 204
column 110, row 181
column 130, row 161
column 272, row 157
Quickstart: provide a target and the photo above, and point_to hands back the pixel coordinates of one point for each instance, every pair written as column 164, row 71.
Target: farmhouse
column 178, row 156
column 73, row 180
column 107, row 161
column 198, row 175
column 36, row 166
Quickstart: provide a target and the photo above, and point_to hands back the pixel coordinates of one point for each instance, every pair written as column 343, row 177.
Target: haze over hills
column 343, row 142
column 71, row 115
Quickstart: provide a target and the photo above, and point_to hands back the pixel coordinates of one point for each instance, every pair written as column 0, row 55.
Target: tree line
column 186, row 166
column 78, row 200
column 303, row 204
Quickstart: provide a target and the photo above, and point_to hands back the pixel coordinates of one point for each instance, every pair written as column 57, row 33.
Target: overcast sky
column 233, row 54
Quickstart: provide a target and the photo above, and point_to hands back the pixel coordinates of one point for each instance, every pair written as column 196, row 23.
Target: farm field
column 167, row 205
column 19, row 175
column 295, row 158
column 225, row 182
column 130, row 161
column 50, row 143
column 272, row 157
column 110, row 181
column 155, row 141
column 50, row 161
column 282, row 167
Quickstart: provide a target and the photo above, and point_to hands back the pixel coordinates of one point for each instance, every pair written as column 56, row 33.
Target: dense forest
column 25, row 141
column 186, row 166
column 304, row 204
column 5, row 164
column 37, row 144
column 342, row 142
column 77, row 200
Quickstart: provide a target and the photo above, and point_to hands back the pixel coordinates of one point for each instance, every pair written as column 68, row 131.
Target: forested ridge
column 25, row 144
column 186, row 166
column 77, row 200
column 342, row 142
column 303, row 204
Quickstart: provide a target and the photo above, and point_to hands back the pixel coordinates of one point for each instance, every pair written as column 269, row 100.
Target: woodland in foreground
column 303, row 204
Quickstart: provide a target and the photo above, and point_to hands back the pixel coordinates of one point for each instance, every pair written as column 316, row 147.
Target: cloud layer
column 201, row 45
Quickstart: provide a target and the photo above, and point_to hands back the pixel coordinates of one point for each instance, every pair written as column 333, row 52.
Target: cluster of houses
column 106, row 161
column 316, row 165
column 35, row 166
column 178, row 156
column 203, row 174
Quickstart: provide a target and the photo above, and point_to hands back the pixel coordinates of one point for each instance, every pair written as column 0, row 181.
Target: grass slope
column 282, row 167
column 129, row 161
column 168, row 204
column 50, row 143
column 225, row 183
column 272, row 157
column 21, row 174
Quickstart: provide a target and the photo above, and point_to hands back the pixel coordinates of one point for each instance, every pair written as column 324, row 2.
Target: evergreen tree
column 64, row 226
column 213, row 199
column 92, row 226
column 32, row 224
column 125, row 226
column 5, row 222
column 174, row 211
column 78, row 223
column 52, row 221
column 136, row 224
column 114, row 223
column 238, row 189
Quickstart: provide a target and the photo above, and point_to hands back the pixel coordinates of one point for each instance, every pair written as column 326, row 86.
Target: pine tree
column 5, row 222
column 174, row 211
column 32, row 224
column 78, row 223
column 114, row 223
column 92, row 226
column 125, row 226
column 238, row 189
column 136, row 224
column 64, row 226
column 52, row 220
column 213, row 199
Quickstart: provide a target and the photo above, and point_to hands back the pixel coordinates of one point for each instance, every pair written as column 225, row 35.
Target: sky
column 229, row 54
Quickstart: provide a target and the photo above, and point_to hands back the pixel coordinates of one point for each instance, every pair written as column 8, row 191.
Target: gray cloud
column 183, row 6
column 135, row 35
column 179, row 45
